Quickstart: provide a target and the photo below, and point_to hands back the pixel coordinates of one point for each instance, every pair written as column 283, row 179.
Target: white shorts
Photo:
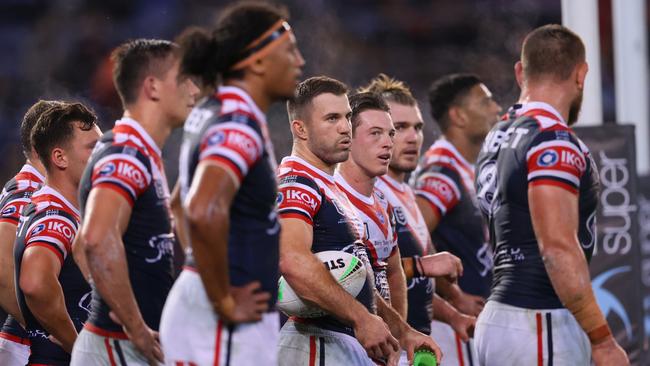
column 13, row 353
column 508, row 335
column 454, row 351
column 191, row 333
column 308, row 345
column 92, row 349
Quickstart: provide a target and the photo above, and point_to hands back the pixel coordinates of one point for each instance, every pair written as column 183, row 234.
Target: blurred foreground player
column 413, row 237
column 126, row 234
column 52, row 293
column 17, row 193
column 221, row 310
column 542, row 309
column 444, row 185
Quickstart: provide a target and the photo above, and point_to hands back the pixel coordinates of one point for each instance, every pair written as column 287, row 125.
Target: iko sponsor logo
column 62, row 228
column 132, row 173
column 304, row 197
column 163, row 245
column 38, row 229
column 217, row 138
column 242, row 142
column 279, row 198
column 439, row 186
column 616, row 203
column 9, row 211
column 107, row 169
column 548, row 158
column 572, row 159
column 607, row 301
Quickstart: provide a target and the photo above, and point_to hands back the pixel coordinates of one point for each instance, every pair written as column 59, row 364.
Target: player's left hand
column 468, row 304
column 412, row 340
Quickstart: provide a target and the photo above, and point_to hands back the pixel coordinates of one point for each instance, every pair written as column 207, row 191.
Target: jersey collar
column 243, row 95
column 150, row 144
column 549, row 109
column 47, row 190
column 28, row 168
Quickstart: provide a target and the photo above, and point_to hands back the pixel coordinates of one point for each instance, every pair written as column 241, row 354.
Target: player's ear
column 299, row 129
column 151, row 88
column 581, row 74
column 258, row 67
column 59, row 158
column 456, row 116
column 519, row 74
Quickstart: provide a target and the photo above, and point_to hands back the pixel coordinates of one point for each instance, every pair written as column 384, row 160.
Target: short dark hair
column 212, row 55
column 309, row 89
column 56, row 126
column 134, row 60
column 392, row 90
column 361, row 102
column 551, row 51
column 449, row 91
column 29, row 120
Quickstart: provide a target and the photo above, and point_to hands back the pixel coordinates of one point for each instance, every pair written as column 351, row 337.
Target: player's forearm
column 395, row 322
column 448, row 290
column 48, row 306
column 180, row 227
column 397, row 285
column 311, row 281
column 569, row 274
column 108, row 268
column 443, row 311
column 80, row 258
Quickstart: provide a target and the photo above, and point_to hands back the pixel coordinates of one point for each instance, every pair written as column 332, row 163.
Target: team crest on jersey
column 381, row 218
column 107, row 169
column 547, row 158
column 339, row 209
column 9, row 210
column 399, row 215
column 38, row 229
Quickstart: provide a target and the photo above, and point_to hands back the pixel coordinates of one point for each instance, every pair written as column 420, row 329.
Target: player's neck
column 398, row 176
column 467, row 148
column 256, row 92
column 152, row 121
column 63, row 184
column 552, row 94
column 301, row 151
column 36, row 163
column 357, row 178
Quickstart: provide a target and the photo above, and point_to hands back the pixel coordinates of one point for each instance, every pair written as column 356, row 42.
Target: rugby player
column 16, row 194
column 539, row 187
column 413, row 238
column 126, row 234
column 370, row 155
column 52, row 293
column 221, row 311
column 444, row 185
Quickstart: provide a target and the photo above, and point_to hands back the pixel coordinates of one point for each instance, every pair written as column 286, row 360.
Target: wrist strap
column 599, row 334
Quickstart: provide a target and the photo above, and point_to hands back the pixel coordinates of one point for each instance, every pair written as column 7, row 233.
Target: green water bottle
column 424, row 357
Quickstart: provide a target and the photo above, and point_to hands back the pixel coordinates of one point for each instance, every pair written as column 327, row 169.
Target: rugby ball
column 348, row 271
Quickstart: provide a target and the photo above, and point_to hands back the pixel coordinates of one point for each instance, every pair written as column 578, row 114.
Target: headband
column 264, row 44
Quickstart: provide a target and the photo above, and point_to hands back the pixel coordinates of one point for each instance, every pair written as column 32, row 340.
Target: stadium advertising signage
column 616, row 264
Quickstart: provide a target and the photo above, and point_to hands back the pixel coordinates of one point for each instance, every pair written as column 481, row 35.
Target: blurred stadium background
column 58, row 49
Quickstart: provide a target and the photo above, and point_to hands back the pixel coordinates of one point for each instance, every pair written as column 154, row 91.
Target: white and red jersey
column 445, row 179
column 50, row 221
column 381, row 239
column 413, row 239
column 17, row 193
column 311, row 195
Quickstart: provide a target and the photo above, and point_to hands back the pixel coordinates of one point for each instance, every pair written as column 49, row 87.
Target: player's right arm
column 7, row 290
column 553, row 204
column 107, row 215
column 462, row 324
column 176, row 206
column 208, row 213
column 313, row 283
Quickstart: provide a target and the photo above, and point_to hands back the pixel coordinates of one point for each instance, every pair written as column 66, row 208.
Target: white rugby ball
column 348, row 271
